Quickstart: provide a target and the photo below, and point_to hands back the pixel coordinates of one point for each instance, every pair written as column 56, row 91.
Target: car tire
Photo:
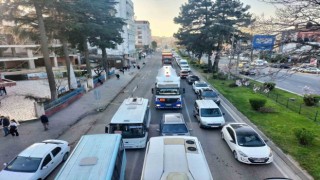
column 222, row 136
column 200, row 125
column 235, row 155
column 65, row 156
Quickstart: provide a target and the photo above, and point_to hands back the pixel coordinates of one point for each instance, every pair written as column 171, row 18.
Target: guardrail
column 64, row 98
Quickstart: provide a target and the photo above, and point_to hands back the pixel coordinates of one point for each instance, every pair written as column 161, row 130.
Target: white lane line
column 238, row 119
column 185, row 106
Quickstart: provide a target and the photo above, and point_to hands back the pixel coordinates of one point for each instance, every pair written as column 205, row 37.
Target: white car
column 185, row 67
column 197, row 85
column 246, row 144
column 37, row 161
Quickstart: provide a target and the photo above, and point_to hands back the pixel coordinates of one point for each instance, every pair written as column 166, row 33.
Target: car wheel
column 200, row 125
column 222, row 136
column 235, row 155
column 65, row 157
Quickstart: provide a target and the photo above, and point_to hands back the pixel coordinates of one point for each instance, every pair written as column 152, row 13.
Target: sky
column 160, row 13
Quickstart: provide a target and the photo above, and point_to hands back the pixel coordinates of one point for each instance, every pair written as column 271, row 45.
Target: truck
column 167, row 90
column 167, row 58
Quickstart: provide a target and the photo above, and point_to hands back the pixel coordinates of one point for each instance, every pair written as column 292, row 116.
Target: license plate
column 259, row 160
column 168, row 104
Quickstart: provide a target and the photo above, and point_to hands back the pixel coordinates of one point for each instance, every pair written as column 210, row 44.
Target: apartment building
column 143, row 34
column 125, row 10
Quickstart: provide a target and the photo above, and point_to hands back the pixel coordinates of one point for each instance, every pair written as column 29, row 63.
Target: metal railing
column 64, row 98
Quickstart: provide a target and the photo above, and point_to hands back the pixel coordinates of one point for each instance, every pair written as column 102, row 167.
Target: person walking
column 14, row 128
column 45, row 121
column 5, row 125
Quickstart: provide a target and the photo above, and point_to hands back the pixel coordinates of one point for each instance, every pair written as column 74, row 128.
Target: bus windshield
column 168, row 91
column 128, row 130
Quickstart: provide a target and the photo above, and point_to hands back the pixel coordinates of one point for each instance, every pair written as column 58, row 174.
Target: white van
column 183, row 62
column 208, row 114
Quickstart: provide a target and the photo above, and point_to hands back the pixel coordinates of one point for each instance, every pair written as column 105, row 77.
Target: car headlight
column 242, row 153
column 270, row 153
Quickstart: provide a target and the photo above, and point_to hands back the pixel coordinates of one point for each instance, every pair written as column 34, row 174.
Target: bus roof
column 130, row 111
column 93, row 158
column 167, row 74
column 170, row 157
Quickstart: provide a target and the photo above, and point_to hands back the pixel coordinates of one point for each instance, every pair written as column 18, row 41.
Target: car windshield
column 184, row 66
column 209, row 94
column 249, row 139
column 174, row 129
column 210, row 112
column 201, row 85
column 24, row 164
column 183, row 63
column 128, row 130
column 168, row 91
column 194, row 77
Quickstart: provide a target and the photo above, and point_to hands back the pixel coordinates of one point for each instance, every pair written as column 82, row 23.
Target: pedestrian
column 5, row 125
column 118, row 76
column 138, row 67
column 14, row 128
column 45, row 121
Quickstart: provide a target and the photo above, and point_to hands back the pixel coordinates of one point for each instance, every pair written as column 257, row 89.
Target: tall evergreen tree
column 30, row 15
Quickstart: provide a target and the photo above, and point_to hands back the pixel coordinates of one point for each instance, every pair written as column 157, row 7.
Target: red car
column 184, row 74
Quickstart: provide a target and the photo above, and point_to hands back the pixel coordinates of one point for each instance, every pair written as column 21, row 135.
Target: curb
column 286, row 158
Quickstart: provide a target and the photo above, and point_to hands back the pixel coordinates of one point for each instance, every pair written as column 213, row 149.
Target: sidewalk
column 60, row 122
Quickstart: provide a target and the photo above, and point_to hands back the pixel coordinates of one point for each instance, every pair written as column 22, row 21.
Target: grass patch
column 280, row 124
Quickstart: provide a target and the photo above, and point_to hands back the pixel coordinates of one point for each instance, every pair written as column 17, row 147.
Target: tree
column 32, row 22
column 154, row 45
column 211, row 24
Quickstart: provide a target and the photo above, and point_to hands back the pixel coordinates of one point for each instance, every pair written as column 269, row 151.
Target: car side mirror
column 5, row 164
column 152, row 90
column 106, row 129
column 232, row 141
column 223, row 113
column 266, row 140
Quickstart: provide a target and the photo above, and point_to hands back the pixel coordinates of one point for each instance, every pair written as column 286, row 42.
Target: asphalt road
column 220, row 159
column 288, row 80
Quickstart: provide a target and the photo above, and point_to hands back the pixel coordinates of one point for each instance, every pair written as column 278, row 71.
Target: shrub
column 215, row 76
column 232, row 85
column 269, row 85
column 311, row 99
column 267, row 110
column 257, row 103
column 222, row 76
column 304, row 136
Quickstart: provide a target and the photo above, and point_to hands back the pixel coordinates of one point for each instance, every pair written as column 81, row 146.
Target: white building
column 143, row 34
column 125, row 10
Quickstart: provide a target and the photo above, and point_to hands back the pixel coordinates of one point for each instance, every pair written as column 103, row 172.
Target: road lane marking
column 190, row 124
column 238, row 119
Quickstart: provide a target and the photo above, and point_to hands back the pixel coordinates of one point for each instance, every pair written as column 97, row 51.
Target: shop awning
column 7, row 83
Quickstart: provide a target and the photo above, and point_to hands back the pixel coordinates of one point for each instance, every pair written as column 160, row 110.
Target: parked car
column 37, row 161
column 210, row 94
column 192, row 78
column 246, row 144
column 197, row 85
column 313, row 70
column 173, row 124
column 248, row 71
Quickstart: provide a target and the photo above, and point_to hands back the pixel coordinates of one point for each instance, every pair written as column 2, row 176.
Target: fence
column 311, row 112
column 64, row 98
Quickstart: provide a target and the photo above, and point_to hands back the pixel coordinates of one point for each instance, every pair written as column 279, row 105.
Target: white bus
column 175, row 157
column 96, row 156
column 132, row 121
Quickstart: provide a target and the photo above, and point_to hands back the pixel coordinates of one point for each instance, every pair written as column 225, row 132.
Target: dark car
column 209, row 93
column 285, row 66
column 192, row 78
column 247, row 71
